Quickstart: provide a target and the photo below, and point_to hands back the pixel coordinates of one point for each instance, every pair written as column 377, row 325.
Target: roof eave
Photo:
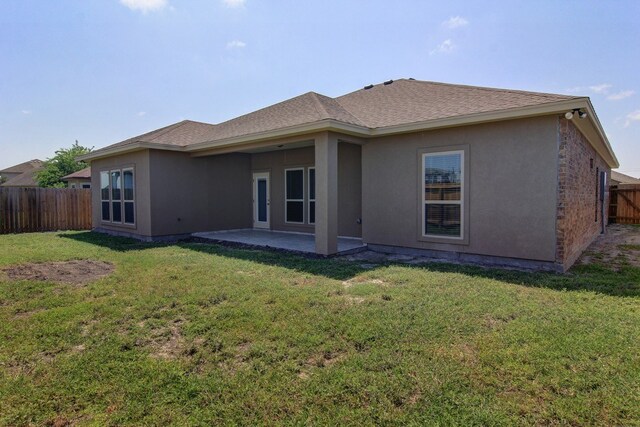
column 362, row 131
column 317, row 126
column 122, row 149
column 513, row 113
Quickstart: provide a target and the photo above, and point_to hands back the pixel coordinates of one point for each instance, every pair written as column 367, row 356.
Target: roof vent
column 368, row 87
column 388, row 82
column 411, row 78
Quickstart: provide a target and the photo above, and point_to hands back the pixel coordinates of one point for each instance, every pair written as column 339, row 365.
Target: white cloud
column 236, row 44
column 145, row 5
column 575, row 89
column 26, row 112
column 142, row 113
column 632, row 117
column 601, row 88
column 621, row 95
column 234, row 3
column 446, row 46
column 455, row 22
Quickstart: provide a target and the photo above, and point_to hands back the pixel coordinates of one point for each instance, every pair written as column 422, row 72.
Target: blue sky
column 100, row 71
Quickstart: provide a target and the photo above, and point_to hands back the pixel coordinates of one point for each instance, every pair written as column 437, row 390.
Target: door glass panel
column 262, row 200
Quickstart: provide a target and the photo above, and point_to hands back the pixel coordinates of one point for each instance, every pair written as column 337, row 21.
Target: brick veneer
column 576, row 224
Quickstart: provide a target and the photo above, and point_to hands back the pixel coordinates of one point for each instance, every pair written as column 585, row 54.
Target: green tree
column 62, row 164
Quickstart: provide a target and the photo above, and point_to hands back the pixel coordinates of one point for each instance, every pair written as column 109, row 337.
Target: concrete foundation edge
column 463, row 258
column 117, row 233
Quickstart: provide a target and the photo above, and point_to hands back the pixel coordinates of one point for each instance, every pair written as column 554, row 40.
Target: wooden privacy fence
column 24, row 210
column 624, row 205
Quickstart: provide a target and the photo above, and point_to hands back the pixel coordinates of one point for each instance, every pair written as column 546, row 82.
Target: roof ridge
column 320, row 104
column 199, row 122
column 490, row 89
column 351, row 113
column 161, row 131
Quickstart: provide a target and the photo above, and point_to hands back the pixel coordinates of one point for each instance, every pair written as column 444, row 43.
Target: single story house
column 462, row 172
column 22, row 175
column 620, row 178
column 79, row 179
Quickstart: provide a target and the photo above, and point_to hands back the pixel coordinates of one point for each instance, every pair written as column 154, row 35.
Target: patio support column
column 326, row 159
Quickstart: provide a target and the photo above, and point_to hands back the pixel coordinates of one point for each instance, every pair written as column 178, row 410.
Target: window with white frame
column 117, row 196
column 442, row 212
column 312, row 195
column 294, row 195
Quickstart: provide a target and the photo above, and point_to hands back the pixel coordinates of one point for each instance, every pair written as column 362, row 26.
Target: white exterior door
column 261, row 200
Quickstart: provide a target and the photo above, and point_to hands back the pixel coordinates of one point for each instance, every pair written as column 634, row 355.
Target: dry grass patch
column 76, row 272
column 363, row 280
column 324, row 360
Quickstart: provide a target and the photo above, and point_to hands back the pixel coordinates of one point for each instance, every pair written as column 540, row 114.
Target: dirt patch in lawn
column 75, row 272
column 323, row 360
column 167, row 342
column 618, row 247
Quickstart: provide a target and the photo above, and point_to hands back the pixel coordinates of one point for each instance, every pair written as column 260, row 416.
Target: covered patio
column 300, row 242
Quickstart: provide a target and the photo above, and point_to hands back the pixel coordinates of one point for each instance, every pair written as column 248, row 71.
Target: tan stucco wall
column 139, row 160
column 511, row 185
column 199, row 194
column 349, row 185
column 349, row 189
column 78, row 182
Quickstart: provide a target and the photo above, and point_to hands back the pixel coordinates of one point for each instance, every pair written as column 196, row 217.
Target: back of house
column 460, row 172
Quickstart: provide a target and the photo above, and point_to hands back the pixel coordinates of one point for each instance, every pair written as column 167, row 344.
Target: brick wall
column 576, row 224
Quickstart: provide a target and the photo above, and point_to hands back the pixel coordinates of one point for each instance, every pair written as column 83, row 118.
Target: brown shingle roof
column 182, row 133
column 409, row 101
column 25, row 179
column 308, row 108
column 624, row 179
column 81, row 174
column 401, row 102
column 23, row 167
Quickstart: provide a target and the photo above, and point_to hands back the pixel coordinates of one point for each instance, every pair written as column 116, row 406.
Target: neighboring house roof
column 26, row 171
column 81, row 174
column 25, row 179
column 623, row 179
column 23, row 167
column 405, row 105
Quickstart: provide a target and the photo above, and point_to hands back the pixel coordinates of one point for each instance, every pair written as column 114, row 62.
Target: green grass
column 194, row 334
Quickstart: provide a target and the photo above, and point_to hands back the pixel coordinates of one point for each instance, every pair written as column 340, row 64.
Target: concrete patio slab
column 299, row 242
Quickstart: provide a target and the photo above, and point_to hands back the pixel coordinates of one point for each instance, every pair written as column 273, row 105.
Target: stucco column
column 326, row 158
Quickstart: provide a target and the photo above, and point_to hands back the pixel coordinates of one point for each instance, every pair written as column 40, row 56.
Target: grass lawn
column 196, row 334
